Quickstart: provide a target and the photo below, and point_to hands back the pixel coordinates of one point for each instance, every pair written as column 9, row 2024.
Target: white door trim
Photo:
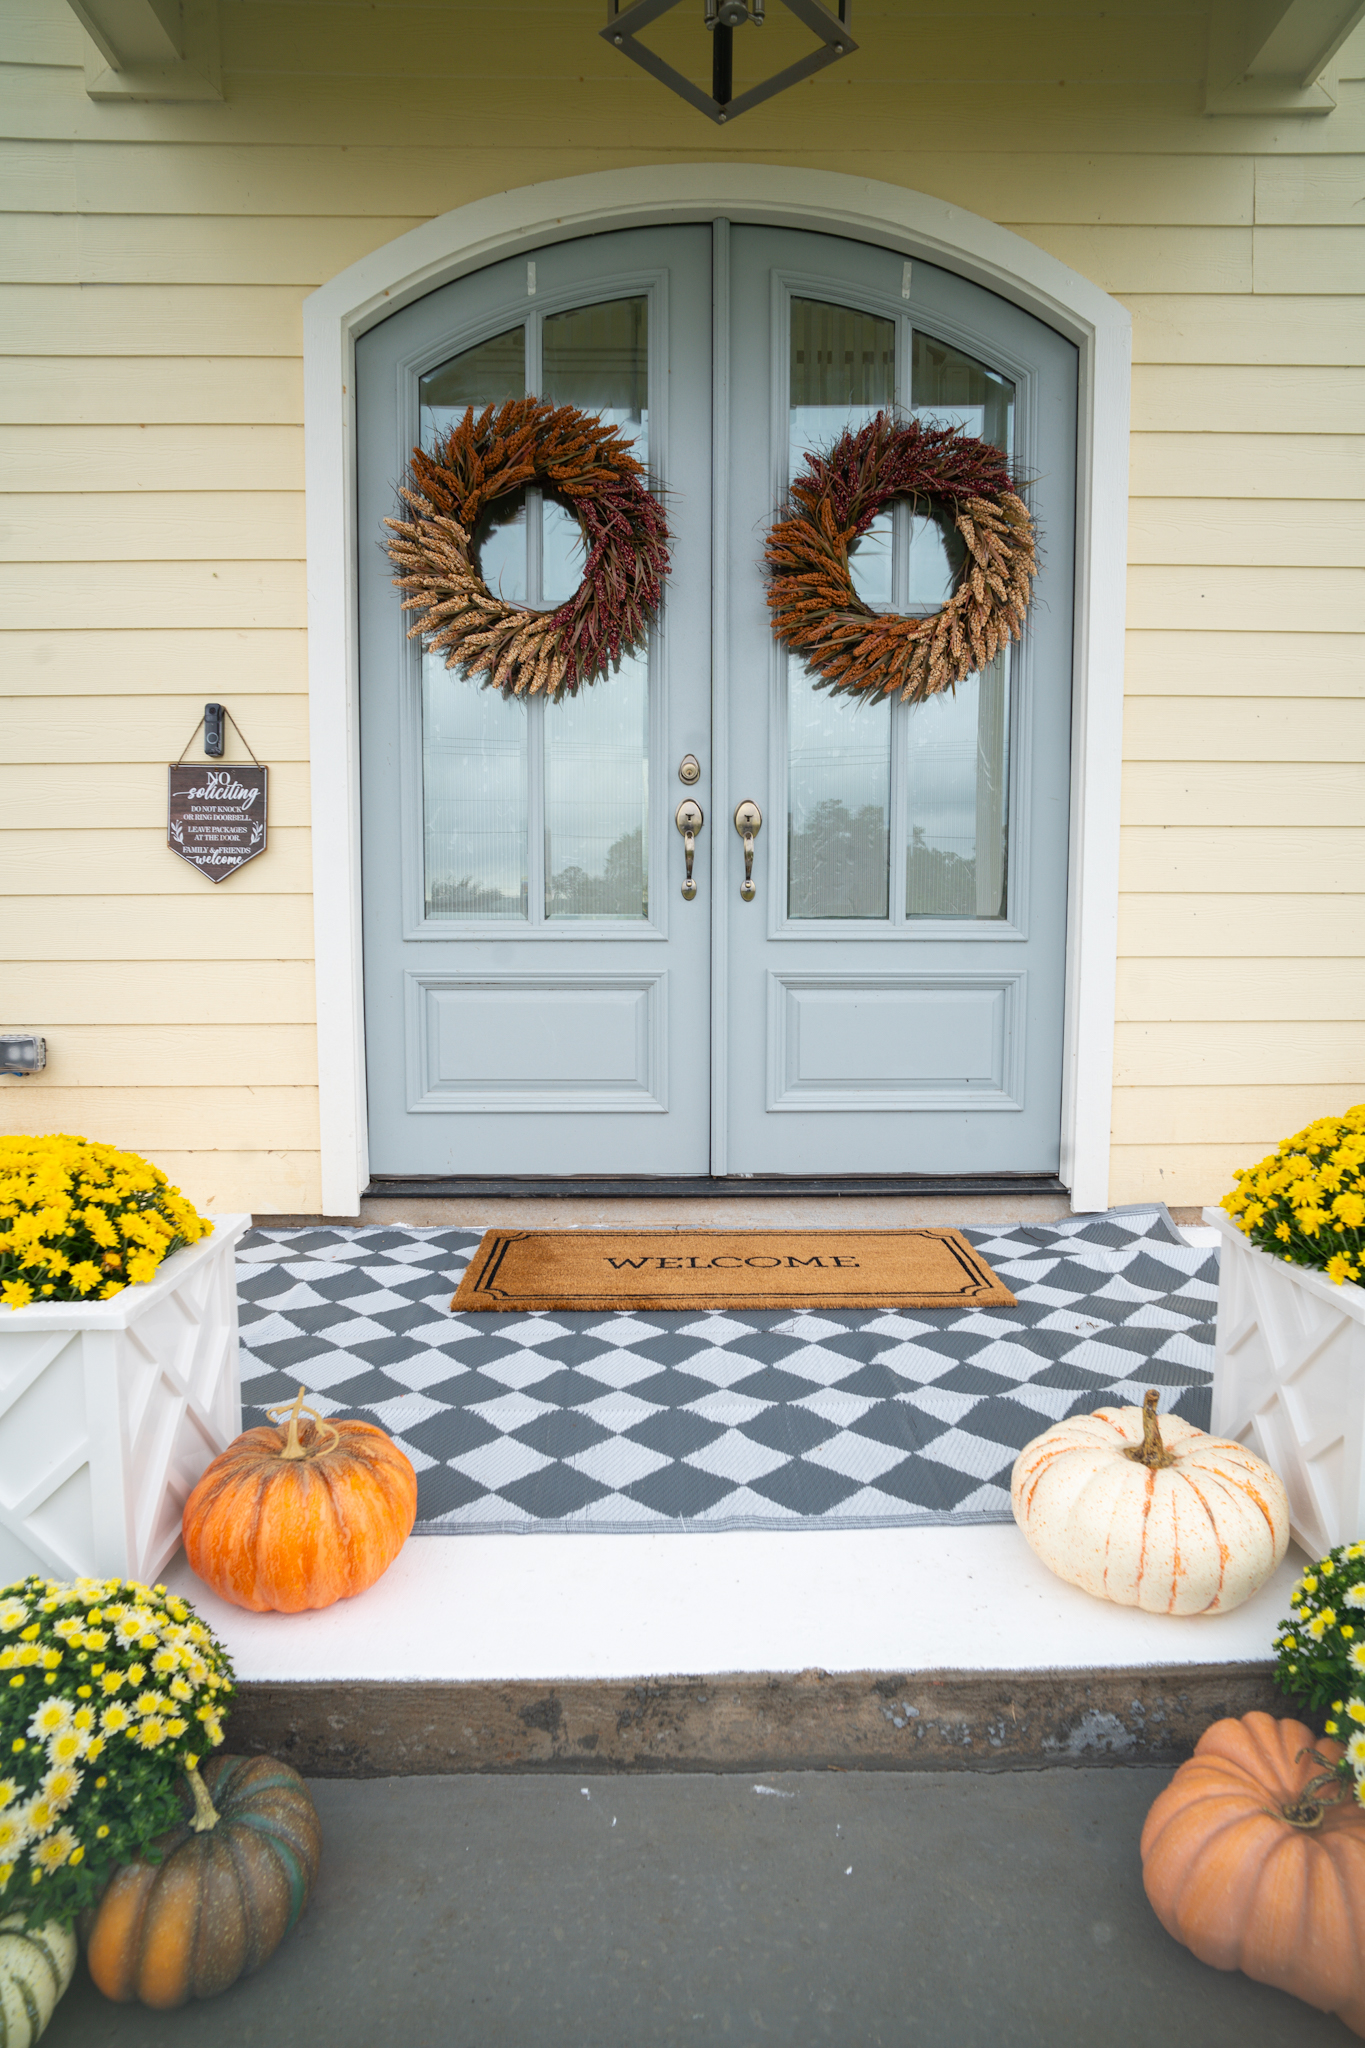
column 866, row 210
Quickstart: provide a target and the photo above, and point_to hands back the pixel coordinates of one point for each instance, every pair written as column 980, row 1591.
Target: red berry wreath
column 522, row 652
column 817, row 612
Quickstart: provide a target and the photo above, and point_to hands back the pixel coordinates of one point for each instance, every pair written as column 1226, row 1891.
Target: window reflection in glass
column 958, row 761
column 597, row 358
column 955, row 390
column 843, row 370
column 838, row 802
column 951, row 389
column 596, row 798
column 474, row 797
column 489, row 374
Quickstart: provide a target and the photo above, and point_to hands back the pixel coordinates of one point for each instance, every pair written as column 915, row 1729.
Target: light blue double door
column 541, row 998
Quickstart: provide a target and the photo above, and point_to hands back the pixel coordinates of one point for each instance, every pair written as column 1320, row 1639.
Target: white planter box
column 109, row 1413
column 1289, row 1381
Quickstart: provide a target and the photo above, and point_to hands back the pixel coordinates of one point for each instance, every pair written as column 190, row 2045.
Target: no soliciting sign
column 216, row 817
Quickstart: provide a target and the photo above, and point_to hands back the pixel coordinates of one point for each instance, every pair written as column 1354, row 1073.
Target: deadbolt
column 689, row 820
column 748, row 823
column 689, row 769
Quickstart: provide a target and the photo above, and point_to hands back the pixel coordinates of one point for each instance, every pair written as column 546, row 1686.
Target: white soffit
column 1268, row 57
column 150, row 49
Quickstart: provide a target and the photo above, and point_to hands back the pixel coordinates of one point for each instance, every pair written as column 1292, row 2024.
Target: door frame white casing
column 862, row 209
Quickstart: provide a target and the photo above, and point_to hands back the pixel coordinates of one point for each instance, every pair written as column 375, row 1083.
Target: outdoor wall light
column 626, row 18
column 22, row 1053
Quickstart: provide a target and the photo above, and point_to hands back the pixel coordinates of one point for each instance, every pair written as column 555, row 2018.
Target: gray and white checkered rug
column 735, row 1420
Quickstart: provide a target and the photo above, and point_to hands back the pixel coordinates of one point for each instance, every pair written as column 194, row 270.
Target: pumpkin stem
column 292, row 1447
column 1151, row 1452
column 205, row 1812
column 1308, row 1809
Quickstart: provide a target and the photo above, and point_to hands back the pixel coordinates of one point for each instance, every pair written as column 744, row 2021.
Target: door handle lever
column 689, row 819
column 748, row 824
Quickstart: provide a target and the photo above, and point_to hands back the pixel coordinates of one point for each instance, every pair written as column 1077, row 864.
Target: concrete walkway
column 953, row 1910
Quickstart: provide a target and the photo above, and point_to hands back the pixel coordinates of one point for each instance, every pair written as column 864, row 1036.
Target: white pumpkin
column 1193, row 1524
column 35, row 1969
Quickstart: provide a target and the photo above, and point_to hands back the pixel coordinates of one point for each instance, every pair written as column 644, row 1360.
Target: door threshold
column 438, row 1186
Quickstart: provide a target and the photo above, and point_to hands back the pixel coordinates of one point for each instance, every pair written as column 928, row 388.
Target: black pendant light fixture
column 626, row 18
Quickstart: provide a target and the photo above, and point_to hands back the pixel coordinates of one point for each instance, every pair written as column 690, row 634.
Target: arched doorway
column 539, row 997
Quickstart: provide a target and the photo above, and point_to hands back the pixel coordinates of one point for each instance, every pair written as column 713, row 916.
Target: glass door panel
column 957, row 759
column 572, row 777
column 597, row 799
column 953, row 389
column 838, row 803
column 842, row 371
column 473, row 798
column 942, row 766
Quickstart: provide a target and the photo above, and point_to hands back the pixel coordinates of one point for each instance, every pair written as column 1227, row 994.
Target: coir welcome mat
column 683, row 1269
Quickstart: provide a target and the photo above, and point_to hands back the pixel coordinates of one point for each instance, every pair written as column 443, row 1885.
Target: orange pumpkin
column 231, row 1882
column 1254, row 1857
column 300, row 1515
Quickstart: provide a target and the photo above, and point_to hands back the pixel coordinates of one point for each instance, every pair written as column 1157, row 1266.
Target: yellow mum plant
column 79, row 1222
column 111, row 1694
column 1305, row 1202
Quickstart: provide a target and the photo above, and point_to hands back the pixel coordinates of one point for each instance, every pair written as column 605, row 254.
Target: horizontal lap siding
column 153, row 263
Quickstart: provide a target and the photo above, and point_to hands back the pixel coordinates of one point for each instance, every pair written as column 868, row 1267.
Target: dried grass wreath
column 817, row 612
column 577, row 458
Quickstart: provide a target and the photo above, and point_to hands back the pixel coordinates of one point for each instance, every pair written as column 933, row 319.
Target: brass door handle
column 689, row 819
column 748, row 824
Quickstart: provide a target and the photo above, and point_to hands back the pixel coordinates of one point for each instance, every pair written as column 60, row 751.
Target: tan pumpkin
column 232, row 1880
column 1153, row 1515
column 1254, row 1858
column 301, row 1515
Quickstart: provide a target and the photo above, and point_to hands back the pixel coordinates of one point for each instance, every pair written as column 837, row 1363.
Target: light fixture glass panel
column 958, row 787
column 597, row 798
column 843, row 371
column 838, row 802
column 474, row 797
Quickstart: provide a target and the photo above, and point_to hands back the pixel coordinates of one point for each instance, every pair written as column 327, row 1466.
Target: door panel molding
column 490, row 230
column 478, row 1042
column 986, row 1024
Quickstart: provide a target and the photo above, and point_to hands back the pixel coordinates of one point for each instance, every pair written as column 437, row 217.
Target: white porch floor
column 599, row 1607
column 550, row 1606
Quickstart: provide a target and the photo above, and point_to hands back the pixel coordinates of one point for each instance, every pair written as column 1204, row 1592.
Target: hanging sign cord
column 200, row 727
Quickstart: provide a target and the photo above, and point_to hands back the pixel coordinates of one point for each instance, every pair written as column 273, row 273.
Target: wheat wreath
column 817, row 612
column 577, row 459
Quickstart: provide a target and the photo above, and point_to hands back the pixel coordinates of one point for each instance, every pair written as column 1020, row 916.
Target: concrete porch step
column 921, row 1648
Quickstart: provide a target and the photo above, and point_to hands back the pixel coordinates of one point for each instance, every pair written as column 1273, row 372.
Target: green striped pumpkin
column 230, row 1884
column 35, row 1969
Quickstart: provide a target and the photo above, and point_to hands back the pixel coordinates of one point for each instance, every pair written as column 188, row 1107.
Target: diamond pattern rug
column 761, row 1419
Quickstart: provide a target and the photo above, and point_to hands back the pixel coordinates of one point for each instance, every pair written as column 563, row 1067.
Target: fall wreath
column 816, row 610
column 451, row 487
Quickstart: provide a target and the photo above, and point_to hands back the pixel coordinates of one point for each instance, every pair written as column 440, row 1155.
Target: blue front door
column 540, row 997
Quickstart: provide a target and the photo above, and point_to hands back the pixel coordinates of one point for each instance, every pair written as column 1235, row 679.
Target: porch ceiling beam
column 1268, row 56
column 150, row 49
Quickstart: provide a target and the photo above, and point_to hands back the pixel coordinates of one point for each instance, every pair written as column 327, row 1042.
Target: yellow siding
column 153, row 260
